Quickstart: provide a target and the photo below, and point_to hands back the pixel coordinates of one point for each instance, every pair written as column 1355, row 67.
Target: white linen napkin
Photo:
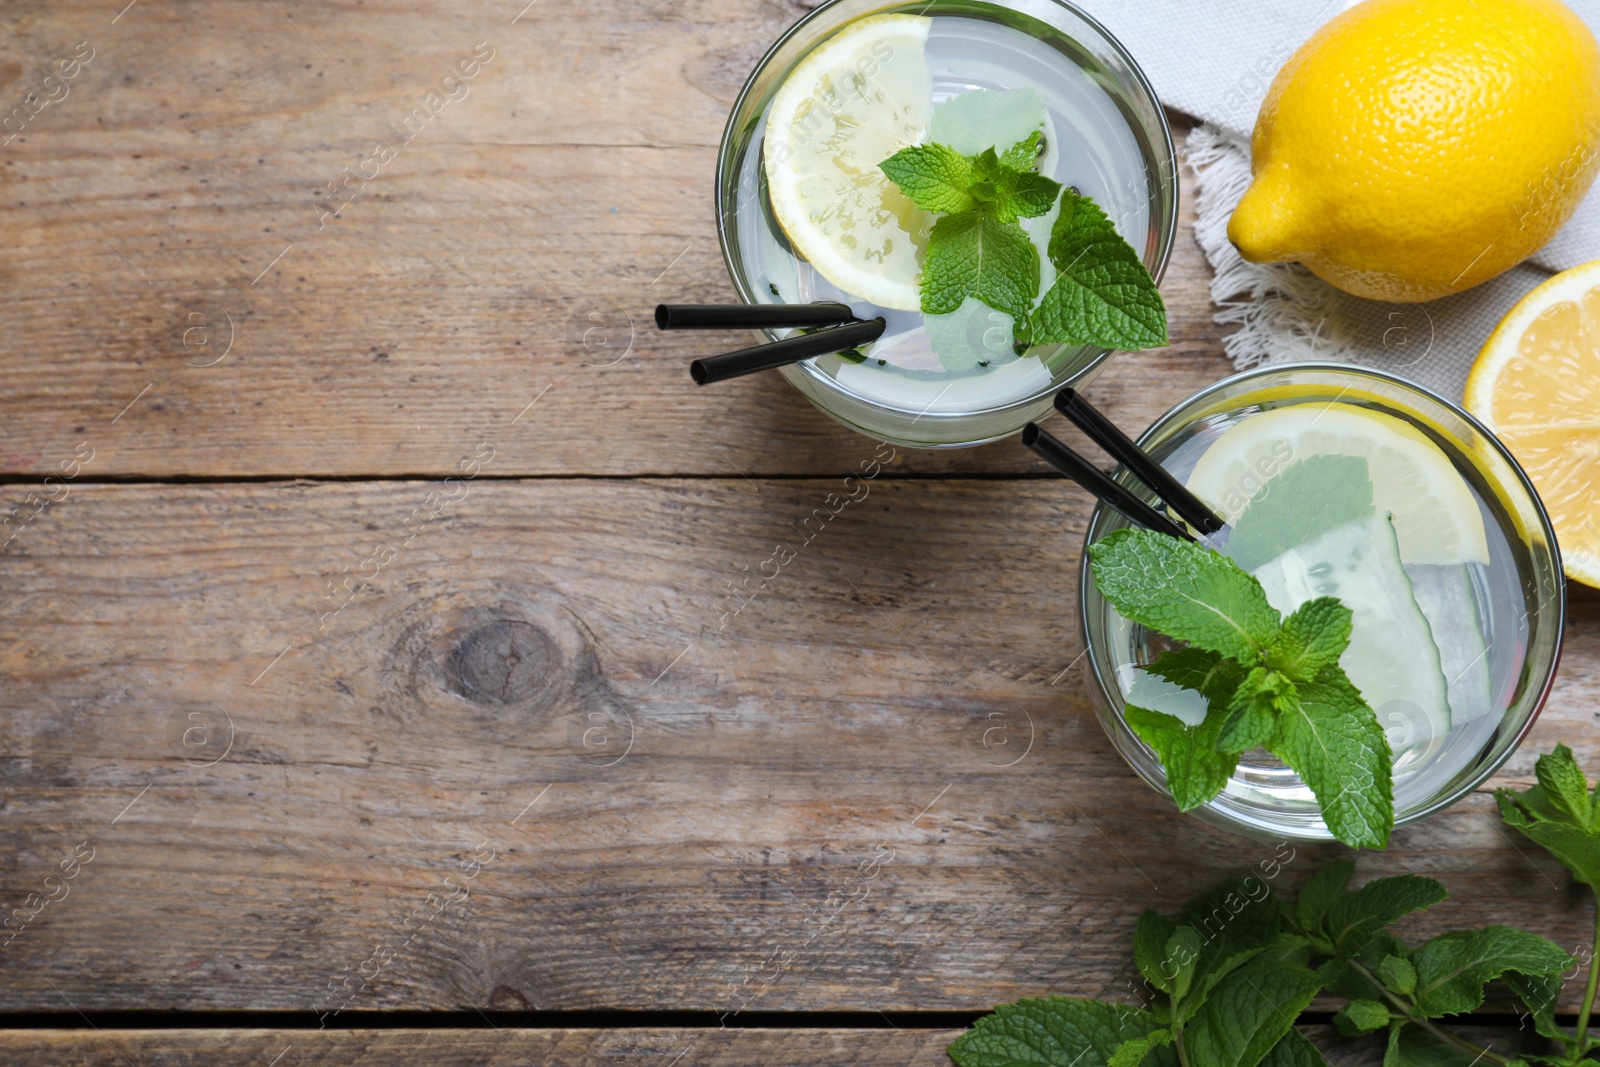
column 1214, row 59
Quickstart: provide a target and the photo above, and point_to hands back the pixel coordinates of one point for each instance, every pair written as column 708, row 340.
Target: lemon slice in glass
column 1436, row 517
column 1537, row 384
column 854, row 101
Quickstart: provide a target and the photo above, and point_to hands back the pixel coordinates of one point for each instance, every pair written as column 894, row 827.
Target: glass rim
column 1166, row 225
column 1097, row 669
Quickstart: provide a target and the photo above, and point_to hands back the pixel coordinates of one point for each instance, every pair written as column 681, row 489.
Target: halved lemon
column 1537, row 384
column 857, row 99
column 1436, row 517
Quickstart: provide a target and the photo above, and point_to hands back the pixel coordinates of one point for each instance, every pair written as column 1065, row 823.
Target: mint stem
column 1405, row 1008
column 1594, row 984
column 1177, row 1043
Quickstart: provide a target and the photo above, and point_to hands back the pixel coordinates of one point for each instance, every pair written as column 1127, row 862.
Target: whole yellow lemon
column 1414, row 148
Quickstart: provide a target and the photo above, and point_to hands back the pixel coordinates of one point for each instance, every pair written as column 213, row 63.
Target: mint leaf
column 1334, row 742
column 1539, row 993
column 1412, row 1046
column 974, row 120
column 1578, row 852
column 1307, row 497
column 1398, row 974
column 1195, row 770
column 1132, row 1053
column 1204, row 672
column 972, row 336
column 1102, row 295
column 1185, row 591
column 972, row 254
column 1453, row 968
column 1294, row 1051
column 1055, row 1032
column 1027, row 195
column 1235, row 920
column 1312, row 639
column 935, row 176
column 1354, row 919
column 1009, row 192
column 1252, row 1008
column 1324, row 887
column 1024, row 155
column 1558, row 814
column 1350, row 924
column 1253, row 712
column 1150, row 948
column 1564, row 786
column 1183, row 956
column 1392, row 1056
column 1361, row 1017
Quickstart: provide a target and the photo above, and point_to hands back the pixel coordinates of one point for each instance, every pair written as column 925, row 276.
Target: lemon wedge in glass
column 854, row 101
column 1436, row 517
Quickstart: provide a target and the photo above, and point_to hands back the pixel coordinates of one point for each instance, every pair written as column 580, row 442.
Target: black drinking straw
column 782, row 353
column 1100, row 485
column 749, row 316
column 1104, row 433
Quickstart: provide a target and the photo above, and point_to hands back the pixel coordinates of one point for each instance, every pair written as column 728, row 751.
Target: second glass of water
column 1454, row 580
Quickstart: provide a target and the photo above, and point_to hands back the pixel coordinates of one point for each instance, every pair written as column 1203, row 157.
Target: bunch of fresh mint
column 1102, row 294
column 1268, row 682
column 1228, row 978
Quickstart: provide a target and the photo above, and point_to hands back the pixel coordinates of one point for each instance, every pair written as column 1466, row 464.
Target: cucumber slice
column 1392, row 658
column 1447, row 596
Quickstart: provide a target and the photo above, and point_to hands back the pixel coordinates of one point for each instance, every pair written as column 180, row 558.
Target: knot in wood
column 505, row 662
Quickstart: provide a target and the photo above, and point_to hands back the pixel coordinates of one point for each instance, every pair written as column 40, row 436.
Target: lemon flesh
column 1537, row 385
column 857, row 99
column 1436, row 517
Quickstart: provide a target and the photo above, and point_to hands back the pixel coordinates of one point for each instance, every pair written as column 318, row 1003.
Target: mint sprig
column 1102, row 294
column 977, row 247
column 1273, row 683
column 1225, row 982
column 1562, row 815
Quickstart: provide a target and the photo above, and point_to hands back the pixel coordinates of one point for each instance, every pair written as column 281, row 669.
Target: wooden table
column 446, row 762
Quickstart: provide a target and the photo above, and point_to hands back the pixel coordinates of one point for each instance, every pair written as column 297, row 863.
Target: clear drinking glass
column 1108, row 138
column 1520, row 599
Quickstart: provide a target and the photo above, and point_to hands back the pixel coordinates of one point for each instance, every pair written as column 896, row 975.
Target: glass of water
column 1469, row 596
column 947, row 380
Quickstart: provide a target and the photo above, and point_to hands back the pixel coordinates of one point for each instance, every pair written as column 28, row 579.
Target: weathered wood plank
column 504, row 1047
column 790, row 808
column 516, row 245
column 511, row 1047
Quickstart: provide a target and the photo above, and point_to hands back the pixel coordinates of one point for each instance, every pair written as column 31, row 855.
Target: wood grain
column 516, row 245
column 570, row 1048
column 539, row 759
column 791, row 808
